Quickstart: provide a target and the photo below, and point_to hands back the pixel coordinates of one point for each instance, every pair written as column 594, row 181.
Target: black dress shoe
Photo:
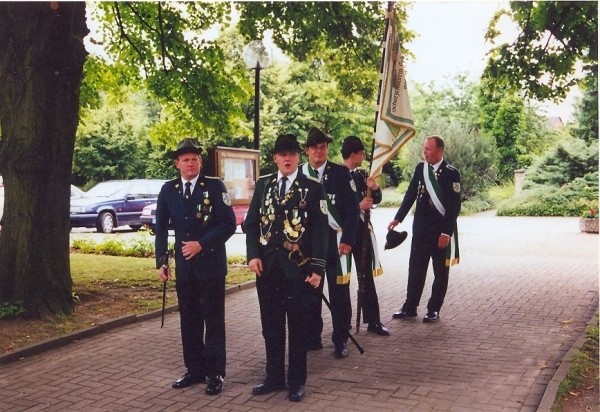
column 296, row 393
column 215, row 385
column 403, row 314
column 341, row 351
column 265, row 388
column 378, row 328
column 431, row 317
column 188, row 379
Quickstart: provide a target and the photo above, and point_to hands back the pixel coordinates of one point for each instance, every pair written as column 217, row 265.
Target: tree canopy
column 555, row 39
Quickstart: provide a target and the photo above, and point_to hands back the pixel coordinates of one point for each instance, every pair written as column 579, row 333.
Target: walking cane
column 360, row 349
column 166, row 267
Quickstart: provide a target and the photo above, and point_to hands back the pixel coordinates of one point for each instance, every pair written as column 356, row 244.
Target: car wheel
column 135, row 228
column 106, row 223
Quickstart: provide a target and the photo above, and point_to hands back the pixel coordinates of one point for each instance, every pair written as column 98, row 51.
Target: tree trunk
column 41, row 66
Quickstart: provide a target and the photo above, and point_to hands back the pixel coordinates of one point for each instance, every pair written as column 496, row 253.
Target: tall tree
column 41, row 64
column 554, row 36
column 161, row 43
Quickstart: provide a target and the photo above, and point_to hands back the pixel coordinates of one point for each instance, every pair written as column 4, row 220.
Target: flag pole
column 361, row 271
column 381, row 70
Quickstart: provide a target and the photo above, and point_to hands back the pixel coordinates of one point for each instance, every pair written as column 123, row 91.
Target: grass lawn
column 104, row 288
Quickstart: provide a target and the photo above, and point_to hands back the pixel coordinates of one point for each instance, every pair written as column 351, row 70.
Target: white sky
column 450, row 40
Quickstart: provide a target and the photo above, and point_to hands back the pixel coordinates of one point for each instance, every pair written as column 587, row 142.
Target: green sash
column 344, row 265
column 435, row 192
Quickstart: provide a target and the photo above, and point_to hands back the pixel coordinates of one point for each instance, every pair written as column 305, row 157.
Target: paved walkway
column 520, row 299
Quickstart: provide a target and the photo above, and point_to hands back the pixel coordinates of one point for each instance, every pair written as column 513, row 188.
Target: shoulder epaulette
column 451, row 167
column 212, row 177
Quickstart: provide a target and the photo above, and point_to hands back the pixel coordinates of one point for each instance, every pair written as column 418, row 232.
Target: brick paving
column 521, row 297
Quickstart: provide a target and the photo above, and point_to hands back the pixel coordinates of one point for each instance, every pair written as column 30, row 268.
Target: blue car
column 114, row 203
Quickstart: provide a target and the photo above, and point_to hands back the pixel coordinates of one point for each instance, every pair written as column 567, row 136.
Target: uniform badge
column 323, row 206
column 353, row 185
column 456, row 187
column 226, row 199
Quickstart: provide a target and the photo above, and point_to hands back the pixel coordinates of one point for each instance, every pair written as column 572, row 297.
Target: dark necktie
column 352, row 174
column 316, row 174
column 282, row 190
column 188, row 193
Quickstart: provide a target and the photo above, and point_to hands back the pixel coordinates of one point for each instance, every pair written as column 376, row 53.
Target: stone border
column 551, row 391
column 100, row 327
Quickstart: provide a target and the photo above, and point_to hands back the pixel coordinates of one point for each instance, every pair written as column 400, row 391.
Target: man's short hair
column 439, row 140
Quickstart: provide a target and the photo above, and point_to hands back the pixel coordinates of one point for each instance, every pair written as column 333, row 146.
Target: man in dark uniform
column 286, row 241
column 365, row 248
column 343, row 222
column 435, row 186
column 200, row 210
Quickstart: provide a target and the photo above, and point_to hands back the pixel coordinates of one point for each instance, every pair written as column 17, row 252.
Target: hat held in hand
column 394, row 239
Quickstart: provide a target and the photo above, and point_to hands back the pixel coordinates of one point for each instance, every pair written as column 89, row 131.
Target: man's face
column 431, row 153
column 317, row 154
column 357, row 158
column 287, row 162
column 189, row 165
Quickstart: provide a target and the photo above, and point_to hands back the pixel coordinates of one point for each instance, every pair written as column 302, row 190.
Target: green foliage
column 563, row 182
column 452, row 112
column 553, row 37
column 563, row 163
column 11, row 310
column 587, row 111
column 111, row 141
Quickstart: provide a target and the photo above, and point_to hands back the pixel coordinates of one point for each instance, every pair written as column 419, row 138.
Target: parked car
column 148, row 217
column 114, row 203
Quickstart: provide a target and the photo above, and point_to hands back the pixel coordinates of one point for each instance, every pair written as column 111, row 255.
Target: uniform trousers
column 202, row 313
column 370, row 306
column 281, row 298
column 423, row 248
column 339, row 299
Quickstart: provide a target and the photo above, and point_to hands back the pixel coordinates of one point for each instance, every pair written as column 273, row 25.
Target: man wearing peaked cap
column 286, row 246
column 199, row 209
column 343, row 218
column 365, row 253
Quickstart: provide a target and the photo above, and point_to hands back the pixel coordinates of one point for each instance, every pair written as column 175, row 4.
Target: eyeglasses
column 319, row 147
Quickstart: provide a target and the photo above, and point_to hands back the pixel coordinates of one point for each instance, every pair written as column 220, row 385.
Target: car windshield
column 106, row 189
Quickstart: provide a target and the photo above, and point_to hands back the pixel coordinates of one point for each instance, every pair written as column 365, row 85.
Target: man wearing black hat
column 200, row 210
column 435, row 187
column 365, row 248
column 286, row 242
column 343, row 222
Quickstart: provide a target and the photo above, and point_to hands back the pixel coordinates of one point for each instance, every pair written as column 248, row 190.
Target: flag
column 394, row 126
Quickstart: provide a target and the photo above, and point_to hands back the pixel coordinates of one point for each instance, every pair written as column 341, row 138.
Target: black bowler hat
column 352, row 144
column 187, row 145
column 316, row 136
column 287, row 143
column 394, row 239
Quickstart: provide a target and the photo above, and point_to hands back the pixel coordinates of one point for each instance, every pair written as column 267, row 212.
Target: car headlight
column 77, row 209
column 146, row 212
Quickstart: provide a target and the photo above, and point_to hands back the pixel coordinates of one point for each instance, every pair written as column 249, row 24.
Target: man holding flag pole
column 394, row 127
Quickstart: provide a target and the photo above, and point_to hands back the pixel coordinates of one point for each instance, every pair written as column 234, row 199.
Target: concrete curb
column 551, row 391
column 101, row 327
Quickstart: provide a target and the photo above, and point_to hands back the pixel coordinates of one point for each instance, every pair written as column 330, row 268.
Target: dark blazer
column 360, row 180
column 427, row 219
column 266, row 221
column 341, row 190
column 208, row 218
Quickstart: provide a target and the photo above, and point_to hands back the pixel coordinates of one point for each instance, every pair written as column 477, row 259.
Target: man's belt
column 295, row 254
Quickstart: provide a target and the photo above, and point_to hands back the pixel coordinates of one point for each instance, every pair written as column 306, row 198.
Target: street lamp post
column 256, row 57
